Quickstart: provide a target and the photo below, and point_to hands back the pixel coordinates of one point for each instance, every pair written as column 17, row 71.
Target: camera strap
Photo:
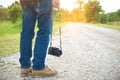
column 59, row 32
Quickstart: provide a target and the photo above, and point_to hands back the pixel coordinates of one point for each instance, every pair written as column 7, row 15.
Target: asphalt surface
column 89, row 53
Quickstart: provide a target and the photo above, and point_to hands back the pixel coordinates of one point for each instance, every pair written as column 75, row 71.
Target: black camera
column 55, row 51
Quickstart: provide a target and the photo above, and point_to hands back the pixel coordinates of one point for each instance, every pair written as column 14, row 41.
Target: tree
column 113, row 16
column 80, row 4
column 91, row 9
column 4, row 15
column 118, row 15
column 102, row 18
column 77, row 13
column 15, row 11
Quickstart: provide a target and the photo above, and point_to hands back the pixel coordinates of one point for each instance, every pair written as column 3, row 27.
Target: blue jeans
column 32, row 12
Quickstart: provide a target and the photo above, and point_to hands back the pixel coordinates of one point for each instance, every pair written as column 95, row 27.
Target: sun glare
column 69, row 4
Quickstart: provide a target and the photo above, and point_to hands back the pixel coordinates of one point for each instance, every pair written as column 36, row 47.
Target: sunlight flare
column 69, row 5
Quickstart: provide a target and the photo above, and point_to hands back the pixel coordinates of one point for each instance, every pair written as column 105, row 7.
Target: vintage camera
column 55, row 51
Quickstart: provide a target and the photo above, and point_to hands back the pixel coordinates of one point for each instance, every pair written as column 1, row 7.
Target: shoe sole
column 25, row 75
column 41, row 76
column 37, row 76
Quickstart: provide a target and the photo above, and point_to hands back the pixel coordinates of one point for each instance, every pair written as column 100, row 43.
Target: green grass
column 112, row 25
column 6, row 27
column 10, row 38
column 9, row 44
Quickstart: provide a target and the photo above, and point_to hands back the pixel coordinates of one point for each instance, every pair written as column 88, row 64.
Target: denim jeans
column 35, row 11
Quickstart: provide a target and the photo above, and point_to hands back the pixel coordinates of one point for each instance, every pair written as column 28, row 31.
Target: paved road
column 89, row 53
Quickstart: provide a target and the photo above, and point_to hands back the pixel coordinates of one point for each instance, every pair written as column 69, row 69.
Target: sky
column 107, row 5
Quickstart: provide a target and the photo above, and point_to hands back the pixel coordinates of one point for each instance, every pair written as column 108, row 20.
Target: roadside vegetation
column 92, row 12
column 112, row 25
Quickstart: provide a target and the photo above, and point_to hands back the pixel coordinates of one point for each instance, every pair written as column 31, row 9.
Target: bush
column 4, row 14
column 15, row 11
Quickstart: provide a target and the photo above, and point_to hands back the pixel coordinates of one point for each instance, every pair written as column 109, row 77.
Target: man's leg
column 27, row 34
column 42, row 40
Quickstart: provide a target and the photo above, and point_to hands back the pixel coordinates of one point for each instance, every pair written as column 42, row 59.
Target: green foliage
column 12, row 13
column 91, row 9
column 15, row 11
column 109, row 17
column 118, row 13
column 4, row 15
column 100, row 18
column 114, row 16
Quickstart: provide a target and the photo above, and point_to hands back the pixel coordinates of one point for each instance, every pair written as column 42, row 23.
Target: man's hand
column 56, row 3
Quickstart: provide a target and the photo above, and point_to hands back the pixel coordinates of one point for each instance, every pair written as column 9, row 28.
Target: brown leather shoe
column 25, row 72
column 44, row 72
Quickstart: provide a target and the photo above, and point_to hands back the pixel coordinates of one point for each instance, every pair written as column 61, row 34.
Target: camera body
column 55, row 51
